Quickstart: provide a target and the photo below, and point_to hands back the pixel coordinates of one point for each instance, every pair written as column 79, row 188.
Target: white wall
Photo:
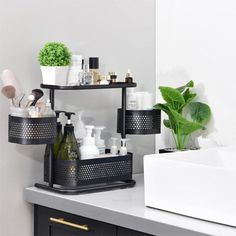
column 196, row 40
column 120, row 32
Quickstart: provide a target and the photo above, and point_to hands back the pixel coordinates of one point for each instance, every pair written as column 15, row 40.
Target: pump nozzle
column 98, row 131
column 89, row 130
column 68, row 115
column 58, row 112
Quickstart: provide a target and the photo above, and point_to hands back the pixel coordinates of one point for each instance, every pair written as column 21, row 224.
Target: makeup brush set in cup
column 32, row 105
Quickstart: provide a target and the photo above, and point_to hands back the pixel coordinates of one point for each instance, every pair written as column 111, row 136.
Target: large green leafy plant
column 54, row 54
column 184, row 115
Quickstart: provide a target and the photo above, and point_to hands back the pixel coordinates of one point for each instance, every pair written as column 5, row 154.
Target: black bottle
column 57, row 140
column 68, row 149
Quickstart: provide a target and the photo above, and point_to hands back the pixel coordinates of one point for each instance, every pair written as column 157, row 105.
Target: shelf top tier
column 84, row 87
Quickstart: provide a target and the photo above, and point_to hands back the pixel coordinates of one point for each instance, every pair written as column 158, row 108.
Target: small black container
column 74, row 173
column 140, row 121
column 24, row 130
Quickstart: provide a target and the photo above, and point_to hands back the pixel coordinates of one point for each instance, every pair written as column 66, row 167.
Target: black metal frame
column 88, row 188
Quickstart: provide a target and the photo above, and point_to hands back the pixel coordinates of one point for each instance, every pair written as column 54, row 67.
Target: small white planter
column 55, row 75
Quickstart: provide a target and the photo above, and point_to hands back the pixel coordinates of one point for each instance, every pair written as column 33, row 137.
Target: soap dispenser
column 80, row 131
column 100, row 143
column 123, row 148
column 68, row 149
column 59, row 133
column 89, row 150
column 114, row 148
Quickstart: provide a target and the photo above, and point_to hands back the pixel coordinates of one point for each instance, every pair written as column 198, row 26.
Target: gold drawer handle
column 63, row 222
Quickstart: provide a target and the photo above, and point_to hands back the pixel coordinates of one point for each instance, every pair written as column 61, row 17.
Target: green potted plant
column 185, row 116
column 54, row 59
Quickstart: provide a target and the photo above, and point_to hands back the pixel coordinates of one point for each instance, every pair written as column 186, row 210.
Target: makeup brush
column 21, row 100
column 38, row 93
column 10, row 92
column 9, row 78
column 31, row 99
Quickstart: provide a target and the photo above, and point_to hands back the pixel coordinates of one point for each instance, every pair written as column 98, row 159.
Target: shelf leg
column 50, row 166
column 123, row 135
column 51, row 97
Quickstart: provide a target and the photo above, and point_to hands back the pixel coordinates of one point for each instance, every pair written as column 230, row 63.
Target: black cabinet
column 50, row 222
column 127, row 232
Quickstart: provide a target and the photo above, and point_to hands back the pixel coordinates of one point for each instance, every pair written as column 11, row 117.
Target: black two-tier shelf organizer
column 93, row 174
column 80, row 176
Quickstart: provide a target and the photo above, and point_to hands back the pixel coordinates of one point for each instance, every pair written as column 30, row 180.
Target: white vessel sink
column 200, row 184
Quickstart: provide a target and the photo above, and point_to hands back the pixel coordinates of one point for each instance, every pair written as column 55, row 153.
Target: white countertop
column 125, row 207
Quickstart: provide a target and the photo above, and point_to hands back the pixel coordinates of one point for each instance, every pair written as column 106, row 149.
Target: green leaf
column 170, row 124
column 173, row 97
column 188, row 97
column 190, row 84
column 162, row 107
column 185, row 126
column 199, row 112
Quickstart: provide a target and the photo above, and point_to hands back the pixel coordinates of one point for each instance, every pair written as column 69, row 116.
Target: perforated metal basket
column 92, row 171
column 140, row 121
column 24, row 130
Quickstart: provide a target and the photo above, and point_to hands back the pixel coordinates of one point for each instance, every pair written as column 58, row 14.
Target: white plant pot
column 55, row 75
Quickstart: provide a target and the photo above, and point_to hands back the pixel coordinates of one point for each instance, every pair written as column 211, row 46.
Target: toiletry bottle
column 100, row 143
column 59, row 134
column 80, row 74
column 80, row 131
column 94, row 68
column 68, row 149
column 123, row 148
column 131, row 99
column 113, row 77
column 88, row 149
column 48, row 112
column 103, row 80
column 75, row 69
column 114, row 148
column 87, row 77
column 57, row 140
column 129, row 78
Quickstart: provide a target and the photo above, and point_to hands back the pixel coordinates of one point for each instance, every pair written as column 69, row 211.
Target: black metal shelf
column 85, row 87
column 106, row 185
column 89, row 188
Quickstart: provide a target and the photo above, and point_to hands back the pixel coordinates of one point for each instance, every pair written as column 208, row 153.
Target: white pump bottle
column 89, row 150
column 100, row 143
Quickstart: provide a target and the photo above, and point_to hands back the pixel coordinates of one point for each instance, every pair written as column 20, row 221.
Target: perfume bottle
column 94, row 69
column 113, row 77
column 87, row 77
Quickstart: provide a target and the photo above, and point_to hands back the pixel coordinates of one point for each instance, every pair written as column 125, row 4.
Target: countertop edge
column 173, row 224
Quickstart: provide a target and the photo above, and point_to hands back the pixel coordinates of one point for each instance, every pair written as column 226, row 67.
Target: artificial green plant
column 185, row 116
column 54, row 54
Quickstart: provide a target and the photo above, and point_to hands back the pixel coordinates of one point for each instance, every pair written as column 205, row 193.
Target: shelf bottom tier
column 88, row 188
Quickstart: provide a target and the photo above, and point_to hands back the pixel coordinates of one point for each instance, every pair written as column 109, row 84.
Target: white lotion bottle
column 80, row 131
column 88, row 150
column 123, row 148
column 100, row 143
